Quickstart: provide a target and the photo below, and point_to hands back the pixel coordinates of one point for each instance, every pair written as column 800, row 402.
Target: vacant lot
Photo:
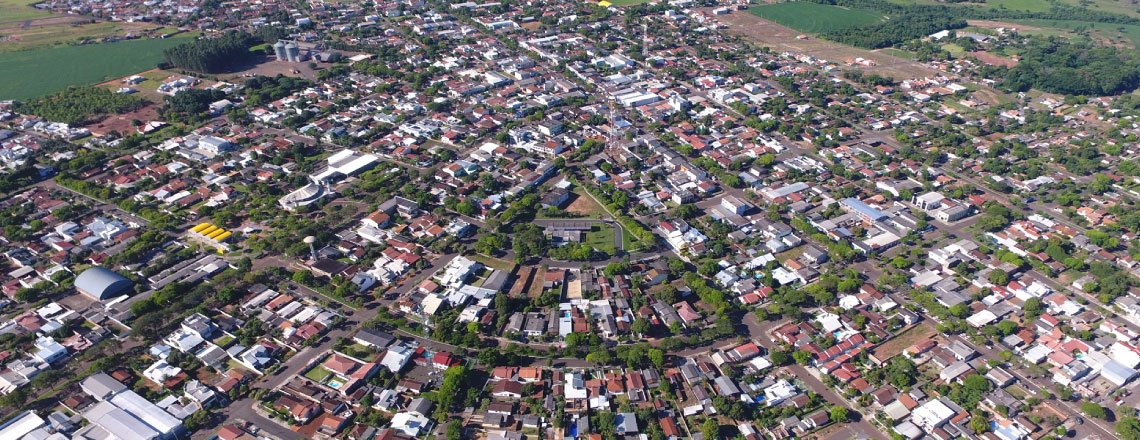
column 34, row 73
column 601, row 237
column 892, row 348
column 493, row 262
column 124, row 123
column 814, row 17
column 782, row 38
column 534, row 290
column 584, row 205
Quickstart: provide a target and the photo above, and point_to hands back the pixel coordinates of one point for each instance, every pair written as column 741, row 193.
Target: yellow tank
column 209, row 230
column 224, row 236
column 200, row 227
column 215, row 234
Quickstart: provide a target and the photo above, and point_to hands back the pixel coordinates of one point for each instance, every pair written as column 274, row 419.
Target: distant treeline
column 214, row 55
column 909, row 22
column 1057, row 11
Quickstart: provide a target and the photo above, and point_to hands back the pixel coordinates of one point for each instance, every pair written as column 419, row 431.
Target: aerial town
column 674, row 219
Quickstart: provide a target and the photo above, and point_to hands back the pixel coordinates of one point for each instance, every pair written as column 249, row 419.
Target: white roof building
column 409, row 424
column 396, row 357
column 159, row 371
column 575, row 386
column 931, row 415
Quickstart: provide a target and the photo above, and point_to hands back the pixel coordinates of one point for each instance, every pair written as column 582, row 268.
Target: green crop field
column 34, row 73
column 815, row 17
column 1123, row 7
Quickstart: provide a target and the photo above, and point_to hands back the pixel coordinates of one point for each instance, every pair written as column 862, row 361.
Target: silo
column 293, row 52
column 279, row 50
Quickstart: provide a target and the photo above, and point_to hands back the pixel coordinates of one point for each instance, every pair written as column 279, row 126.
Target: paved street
column 758, row 332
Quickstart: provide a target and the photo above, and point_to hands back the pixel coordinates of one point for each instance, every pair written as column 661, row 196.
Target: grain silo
column 293, row 52
column 279, row 50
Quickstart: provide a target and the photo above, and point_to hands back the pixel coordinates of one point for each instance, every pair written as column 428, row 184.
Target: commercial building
column 123, row 414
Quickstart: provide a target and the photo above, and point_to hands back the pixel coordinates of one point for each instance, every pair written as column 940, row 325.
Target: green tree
column 802, row 357
column 454, row 430
column 778, row 358
column 839, row 414
column 1091, row 409
column 640, row 326
column 710, row 428
column 1128, row 428
column 999, row 277
column 980, row 425
column 303, row 277
column 657, row 356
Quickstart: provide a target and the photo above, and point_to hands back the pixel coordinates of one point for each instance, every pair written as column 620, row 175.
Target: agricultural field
column 62, row 31
column 1103, row 33
column 19, row 10
column 814, row 17
column 1122, row 7
column 34, row 73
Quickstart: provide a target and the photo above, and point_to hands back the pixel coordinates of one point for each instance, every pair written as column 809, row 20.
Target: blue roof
column 102, row 283
column 1117, row 371
column 864, row 209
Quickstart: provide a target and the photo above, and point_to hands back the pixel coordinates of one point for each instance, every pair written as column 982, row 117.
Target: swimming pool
column 334, row 384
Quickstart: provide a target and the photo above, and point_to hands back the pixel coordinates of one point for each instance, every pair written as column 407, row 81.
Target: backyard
column 318, row 374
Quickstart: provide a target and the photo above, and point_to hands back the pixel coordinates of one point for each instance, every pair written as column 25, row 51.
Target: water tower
column 312, row 250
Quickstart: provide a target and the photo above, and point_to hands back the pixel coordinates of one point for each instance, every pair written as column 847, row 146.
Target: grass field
column 1017, row 391
column 601, row 237
column 815, row 17
column 19, row 10
column 492, row 262
column 34, row 73
column 954, row 49
column 318, row 374
column 898, row 53
column 154, row 79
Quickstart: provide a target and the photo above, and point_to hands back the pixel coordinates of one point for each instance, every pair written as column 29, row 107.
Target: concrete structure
column 292, row 53
column 279, row 51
